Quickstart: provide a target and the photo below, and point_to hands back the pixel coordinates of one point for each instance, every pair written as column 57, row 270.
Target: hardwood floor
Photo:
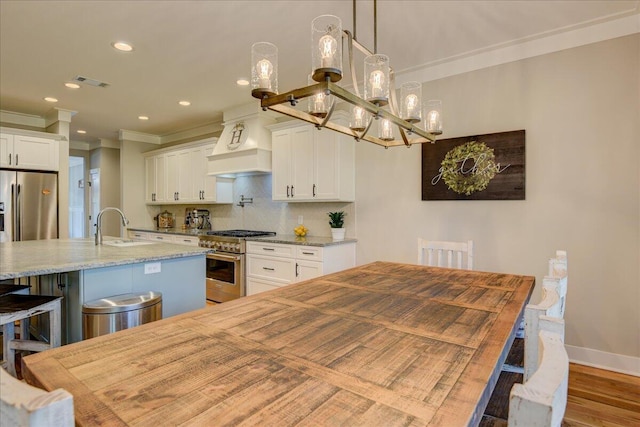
column 601, row 398
column 596, row 398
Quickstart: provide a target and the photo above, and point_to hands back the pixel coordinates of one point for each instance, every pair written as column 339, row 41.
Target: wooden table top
column 382, row 344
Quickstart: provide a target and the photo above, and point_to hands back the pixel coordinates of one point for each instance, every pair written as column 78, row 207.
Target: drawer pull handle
column 297, row 271
column 268, row 249
column 307, row 253
column 268, row 268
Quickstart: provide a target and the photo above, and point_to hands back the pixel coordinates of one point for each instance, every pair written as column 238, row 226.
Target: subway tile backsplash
column 265, row 214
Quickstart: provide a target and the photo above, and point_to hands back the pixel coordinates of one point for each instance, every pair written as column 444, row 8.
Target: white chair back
column 558, row 265
column 551, row 305
column 446, row 254
column 542, row 399
column 22, row 405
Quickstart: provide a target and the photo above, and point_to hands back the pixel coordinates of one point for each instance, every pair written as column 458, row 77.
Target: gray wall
column 580, row 109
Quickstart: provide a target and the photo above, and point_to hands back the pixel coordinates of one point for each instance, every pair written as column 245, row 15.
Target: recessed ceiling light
column 72, row 85
column 242, row 82
column 50, row 99
column 123, row 46
column 143, row 117
column 184, row 103
column 81, row 131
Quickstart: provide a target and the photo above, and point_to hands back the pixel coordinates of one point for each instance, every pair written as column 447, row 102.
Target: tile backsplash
column 268, row 215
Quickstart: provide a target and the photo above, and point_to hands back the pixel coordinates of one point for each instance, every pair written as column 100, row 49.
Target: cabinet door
column 173, row 176
column 281, row 165
column 31, row 152
column 150, row 183
column 204, row 186
column 255, row 286
column 6, row 150
column 155, row 179
column 302, row 163
column 326, row 166
column 185, row 177
column 161, row 178
column 306, row 270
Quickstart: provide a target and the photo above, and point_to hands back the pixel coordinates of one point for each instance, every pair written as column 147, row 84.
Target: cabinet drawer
column 138, row 235
column 282, row 270
column 271, row 249
column 312, row 253
column 255, row 286
column 185, row 240
column 161, row 237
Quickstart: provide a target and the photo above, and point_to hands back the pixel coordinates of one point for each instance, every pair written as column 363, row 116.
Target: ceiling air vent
column 88, row 81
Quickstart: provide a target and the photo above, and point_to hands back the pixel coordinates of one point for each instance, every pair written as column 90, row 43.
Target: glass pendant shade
column 433, row 117
column 359, row 118
column 264, row 69
column 385, row 130
column 326, row 48
column 318, row 104
column 411, row 99
column 376, row 79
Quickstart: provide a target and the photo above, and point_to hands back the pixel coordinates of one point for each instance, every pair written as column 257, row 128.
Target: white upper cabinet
column 28, row 152
column 179, row 175
column 311, row 164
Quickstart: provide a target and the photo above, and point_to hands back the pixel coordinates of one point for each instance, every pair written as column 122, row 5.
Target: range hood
column 244, row 147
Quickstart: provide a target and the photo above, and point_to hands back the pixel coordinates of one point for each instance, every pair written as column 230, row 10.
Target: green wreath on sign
column 469, row 167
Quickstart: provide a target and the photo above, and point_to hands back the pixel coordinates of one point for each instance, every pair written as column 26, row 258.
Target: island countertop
column 38, row 257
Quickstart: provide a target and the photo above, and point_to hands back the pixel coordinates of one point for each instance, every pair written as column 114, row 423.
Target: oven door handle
column 216, row 255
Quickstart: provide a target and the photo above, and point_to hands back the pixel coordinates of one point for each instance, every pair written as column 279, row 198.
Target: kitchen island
column 82, row 271
column 377, row 345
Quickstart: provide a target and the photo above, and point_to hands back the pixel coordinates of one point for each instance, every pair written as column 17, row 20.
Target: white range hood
column 244, row 147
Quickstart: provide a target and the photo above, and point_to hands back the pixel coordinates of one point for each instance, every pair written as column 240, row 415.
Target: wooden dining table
column 381, row 344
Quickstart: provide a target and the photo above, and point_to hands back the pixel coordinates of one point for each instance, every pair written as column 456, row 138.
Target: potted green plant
column 336, row 222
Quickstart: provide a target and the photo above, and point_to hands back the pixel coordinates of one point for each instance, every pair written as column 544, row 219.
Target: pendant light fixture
column 378, row 102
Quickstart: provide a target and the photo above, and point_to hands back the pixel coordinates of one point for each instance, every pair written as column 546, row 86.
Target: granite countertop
column 291, row 239
column 180, row 231
column 288, row 239
column 37, row 257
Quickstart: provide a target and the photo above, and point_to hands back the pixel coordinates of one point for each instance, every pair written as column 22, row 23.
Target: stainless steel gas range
column 226, row 264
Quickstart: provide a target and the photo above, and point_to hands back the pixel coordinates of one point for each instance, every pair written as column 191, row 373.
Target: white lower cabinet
column 163, row 237
column 272, row 265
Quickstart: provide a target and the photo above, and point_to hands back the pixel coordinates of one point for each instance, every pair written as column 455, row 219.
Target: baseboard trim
column 601, row 359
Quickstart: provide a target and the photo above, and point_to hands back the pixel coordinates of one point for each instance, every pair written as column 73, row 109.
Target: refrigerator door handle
column 18, row 215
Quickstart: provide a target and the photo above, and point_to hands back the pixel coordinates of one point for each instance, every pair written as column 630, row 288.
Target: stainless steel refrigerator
column 28, row 205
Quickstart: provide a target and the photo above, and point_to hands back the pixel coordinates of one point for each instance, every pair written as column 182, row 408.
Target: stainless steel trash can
column 106, row 315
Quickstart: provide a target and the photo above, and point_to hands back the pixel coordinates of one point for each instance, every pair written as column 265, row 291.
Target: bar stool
column 15, row 307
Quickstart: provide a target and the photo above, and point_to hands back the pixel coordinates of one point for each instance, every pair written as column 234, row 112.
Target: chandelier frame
column 285, row 103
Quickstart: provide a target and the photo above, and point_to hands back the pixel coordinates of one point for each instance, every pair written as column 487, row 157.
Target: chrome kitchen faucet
column 125, row 221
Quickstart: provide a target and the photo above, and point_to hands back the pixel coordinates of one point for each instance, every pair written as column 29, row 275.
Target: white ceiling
column 196, row 50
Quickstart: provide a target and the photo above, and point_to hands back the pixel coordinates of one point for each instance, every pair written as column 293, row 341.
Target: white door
column 94, row 181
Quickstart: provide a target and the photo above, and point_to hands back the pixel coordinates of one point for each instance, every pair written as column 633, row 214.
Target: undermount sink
column 125, row 243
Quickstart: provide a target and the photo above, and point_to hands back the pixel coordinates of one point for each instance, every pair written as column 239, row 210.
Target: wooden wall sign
column 478, row 167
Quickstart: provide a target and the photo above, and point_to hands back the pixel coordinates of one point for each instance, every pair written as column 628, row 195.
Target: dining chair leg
column 9, row 354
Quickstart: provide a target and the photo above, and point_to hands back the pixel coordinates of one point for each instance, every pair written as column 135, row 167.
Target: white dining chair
column 541, row 401
column 20, row 308
column 22, row 405
column 442, row 253
column 558, row 264
column 551, row 305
